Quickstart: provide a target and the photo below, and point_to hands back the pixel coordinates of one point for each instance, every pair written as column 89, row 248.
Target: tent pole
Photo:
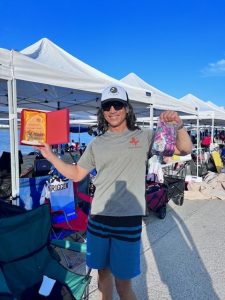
column 59, row 147
column 11, row 135
column 151, row 116
column 212, row 130
column 13, row 139
column 79, row 135
column 15, row 123
column 198, row 142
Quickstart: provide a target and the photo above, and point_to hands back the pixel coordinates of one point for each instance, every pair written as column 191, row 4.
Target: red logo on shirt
column 134, row 141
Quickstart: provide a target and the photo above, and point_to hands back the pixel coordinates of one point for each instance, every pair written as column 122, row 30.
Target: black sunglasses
column 116, row 104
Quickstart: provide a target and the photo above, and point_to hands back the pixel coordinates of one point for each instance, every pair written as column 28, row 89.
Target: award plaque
column 38, row 127
column 34, row 130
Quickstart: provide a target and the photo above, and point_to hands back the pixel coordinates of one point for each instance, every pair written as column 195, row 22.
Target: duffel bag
column 156, row 196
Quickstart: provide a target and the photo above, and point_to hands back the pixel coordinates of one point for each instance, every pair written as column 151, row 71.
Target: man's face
column 115, row 114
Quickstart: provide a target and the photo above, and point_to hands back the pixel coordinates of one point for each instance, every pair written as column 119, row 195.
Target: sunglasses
column 116, row 105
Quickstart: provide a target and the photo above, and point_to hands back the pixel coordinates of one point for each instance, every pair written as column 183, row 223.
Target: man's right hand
column 45, row 150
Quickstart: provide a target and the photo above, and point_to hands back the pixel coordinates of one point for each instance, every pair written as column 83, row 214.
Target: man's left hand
column 170, row 116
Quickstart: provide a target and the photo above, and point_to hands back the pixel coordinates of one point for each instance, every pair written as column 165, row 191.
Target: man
column 119, row 156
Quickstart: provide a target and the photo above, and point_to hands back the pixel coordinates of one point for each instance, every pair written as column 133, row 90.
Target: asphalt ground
column 183, row 256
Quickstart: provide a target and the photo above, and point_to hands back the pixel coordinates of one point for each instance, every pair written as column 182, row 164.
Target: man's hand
column 170, row 116
column 183, row 142
column 45, row 150
column 71, row 171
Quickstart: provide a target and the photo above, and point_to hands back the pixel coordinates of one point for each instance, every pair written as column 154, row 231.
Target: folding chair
column 69, row 208
column 26, row 254
column 63, row 226
column 174, row 179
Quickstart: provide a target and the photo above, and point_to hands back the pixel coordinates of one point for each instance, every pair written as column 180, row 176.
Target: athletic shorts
column 114, row 243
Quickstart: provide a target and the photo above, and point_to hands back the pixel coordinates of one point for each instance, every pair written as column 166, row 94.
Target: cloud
column 215, row 69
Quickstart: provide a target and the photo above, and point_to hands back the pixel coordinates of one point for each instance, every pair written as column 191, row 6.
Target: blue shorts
column 114, row 243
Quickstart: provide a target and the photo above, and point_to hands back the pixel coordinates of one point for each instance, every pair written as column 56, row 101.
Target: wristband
column 180, row 126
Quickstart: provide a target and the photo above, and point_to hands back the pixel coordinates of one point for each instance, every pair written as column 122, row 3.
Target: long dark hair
column 130, row 118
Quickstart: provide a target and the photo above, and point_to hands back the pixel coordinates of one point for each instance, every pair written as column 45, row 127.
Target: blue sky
column 178, row 46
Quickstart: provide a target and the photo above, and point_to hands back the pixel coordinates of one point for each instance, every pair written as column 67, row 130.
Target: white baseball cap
column 114, row 93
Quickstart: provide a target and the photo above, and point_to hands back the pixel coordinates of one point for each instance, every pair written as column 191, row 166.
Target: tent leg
column 13, row 139
column 198, row 143
column 212, row 131
column 151, row 116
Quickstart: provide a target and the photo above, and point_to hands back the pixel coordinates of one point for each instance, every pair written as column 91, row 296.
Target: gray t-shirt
column 120, row 161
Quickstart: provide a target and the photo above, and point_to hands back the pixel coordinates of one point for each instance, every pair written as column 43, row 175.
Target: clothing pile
column 213, row 187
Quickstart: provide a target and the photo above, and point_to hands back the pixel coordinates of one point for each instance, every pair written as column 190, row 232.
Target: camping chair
column 174, row 179
column 82, row 204
column 63, row 227
column 26, row 254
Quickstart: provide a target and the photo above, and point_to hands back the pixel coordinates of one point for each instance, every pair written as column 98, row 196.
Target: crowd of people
column 72, row 147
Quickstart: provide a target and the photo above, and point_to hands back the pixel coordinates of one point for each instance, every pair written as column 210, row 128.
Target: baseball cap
column 114, row 93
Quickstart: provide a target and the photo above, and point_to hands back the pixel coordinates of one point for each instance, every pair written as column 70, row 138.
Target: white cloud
column 215, row 69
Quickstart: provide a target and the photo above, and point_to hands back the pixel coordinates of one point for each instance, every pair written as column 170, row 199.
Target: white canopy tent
column 45, row 77
column 49, row 77
column 160, row 100
column 221, row 108
column 209, row 113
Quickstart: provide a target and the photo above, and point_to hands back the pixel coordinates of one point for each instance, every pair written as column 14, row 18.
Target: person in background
column 72, row 145
column 222, row 136
column 82, row 148
column 206, row 141
column 194, row 139
column 119, row 156
column 77, row 146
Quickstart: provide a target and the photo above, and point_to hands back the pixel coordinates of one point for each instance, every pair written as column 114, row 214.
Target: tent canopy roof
column 207, row 111
column 203, row 105
column 49, row 78
column 160, row 100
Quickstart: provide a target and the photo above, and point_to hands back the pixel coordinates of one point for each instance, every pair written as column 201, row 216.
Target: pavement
column 183, row 256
